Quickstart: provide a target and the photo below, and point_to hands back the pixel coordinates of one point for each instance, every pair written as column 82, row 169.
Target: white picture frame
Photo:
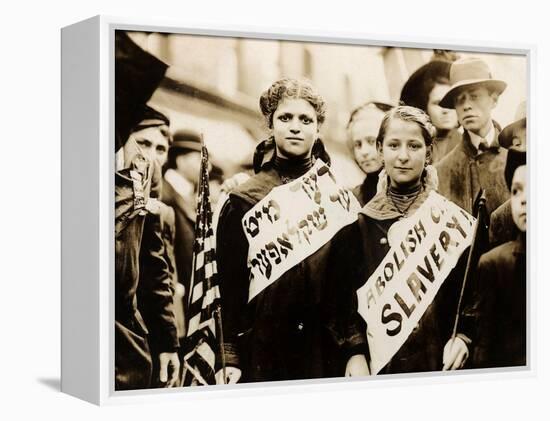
column 88, row 217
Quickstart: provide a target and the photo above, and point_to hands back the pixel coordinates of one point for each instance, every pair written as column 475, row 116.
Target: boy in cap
column 513, row 137
column 478, row 160
column 499, row 302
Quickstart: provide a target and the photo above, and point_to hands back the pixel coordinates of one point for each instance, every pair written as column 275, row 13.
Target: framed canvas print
column 244, row 210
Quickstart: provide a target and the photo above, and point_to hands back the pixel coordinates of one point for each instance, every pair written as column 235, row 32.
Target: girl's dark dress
column 357, row 251
column 291, row 330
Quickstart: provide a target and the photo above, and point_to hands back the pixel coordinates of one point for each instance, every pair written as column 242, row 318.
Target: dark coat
column 463, row 172
column 132, row 355
column 289, row 330
column 367, row 189
column 357, row 251
column 500, row 306
column 444, row 144
column 155, row 293
column 502, row 227
column 185, row 233
column 156, row 285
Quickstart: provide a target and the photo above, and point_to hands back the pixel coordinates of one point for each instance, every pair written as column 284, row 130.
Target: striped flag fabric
column 204, row 300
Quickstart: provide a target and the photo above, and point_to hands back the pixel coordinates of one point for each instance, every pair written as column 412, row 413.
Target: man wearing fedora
column 478, row 161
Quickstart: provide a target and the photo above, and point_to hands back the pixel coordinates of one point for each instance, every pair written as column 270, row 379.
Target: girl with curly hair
column 288, row 331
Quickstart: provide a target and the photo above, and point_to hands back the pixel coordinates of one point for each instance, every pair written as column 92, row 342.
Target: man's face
column 151, row 142
column 473, row 107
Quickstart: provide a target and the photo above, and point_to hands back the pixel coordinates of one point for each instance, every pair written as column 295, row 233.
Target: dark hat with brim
column 468, row 73
column 186, row 141
column 414, row 92
column 506, row 136
column 151, row 118
column 514, row 160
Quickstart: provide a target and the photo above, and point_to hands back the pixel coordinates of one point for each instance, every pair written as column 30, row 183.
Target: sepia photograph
column 291, row 210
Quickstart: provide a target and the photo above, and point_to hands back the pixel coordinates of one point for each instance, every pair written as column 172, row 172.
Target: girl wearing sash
column 289, row 329
column 405, row 143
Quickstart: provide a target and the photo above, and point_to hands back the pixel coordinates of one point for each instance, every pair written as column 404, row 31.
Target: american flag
column 203, row 335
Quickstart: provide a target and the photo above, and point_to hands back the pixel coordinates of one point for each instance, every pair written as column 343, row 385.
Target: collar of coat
column 258, row 186
column 472, row 151
column 520, row 245
column 382, row 208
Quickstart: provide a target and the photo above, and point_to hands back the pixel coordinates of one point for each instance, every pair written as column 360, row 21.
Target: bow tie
column 483, row 145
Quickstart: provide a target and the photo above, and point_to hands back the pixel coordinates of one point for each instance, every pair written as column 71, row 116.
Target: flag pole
column 481, row 200
column 192, row 281
column 218, row 313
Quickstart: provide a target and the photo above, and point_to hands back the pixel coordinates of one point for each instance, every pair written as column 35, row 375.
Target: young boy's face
column 519, row 198
column 473, row 107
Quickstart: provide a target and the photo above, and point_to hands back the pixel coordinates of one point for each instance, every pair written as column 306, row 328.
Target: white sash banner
column 424, row 248
column 294, row 221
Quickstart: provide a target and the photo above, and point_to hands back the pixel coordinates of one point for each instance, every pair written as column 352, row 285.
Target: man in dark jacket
column 143, row 284
column 477, row 162
column 157, row 276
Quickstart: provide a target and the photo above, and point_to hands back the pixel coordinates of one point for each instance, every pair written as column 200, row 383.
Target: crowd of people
column 439, row 144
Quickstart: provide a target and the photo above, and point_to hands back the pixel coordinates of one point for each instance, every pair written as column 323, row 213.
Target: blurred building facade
column 217, row 81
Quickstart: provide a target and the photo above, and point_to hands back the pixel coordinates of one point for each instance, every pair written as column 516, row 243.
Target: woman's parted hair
column 412, row 115
column 294, row 89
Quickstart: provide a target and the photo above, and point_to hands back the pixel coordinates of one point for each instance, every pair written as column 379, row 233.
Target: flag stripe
column 211, row 295
column 197, row 292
